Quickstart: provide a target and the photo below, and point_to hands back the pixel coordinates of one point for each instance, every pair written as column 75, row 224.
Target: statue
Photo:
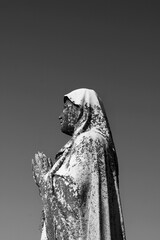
column 80, row 191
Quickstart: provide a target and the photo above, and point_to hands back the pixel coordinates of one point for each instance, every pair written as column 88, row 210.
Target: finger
column 40, row 154
column 33, row 171
column 50, row 163
column 32, row 166
column 47, row 163
column 33, row 163
column 43, row 163
column 37, row 158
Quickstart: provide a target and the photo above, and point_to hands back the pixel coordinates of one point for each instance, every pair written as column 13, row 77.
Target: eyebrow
column 67, row 104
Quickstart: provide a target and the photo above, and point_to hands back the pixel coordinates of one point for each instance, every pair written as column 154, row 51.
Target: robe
column 80, row 195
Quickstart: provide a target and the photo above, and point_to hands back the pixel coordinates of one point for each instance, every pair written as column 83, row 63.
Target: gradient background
column 49, row 48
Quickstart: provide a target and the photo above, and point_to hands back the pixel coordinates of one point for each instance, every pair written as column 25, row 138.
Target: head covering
column 81, row 197
column 92, row 114
column 93, row 118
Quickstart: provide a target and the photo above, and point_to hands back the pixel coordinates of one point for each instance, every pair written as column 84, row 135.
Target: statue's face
column 69, row 117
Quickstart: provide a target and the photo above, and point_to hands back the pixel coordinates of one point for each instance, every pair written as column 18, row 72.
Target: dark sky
column 49, row 48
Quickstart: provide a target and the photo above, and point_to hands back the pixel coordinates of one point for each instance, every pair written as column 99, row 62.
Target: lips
column 61, row 122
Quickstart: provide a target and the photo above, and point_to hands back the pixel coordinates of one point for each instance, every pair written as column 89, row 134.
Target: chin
column 66, row 131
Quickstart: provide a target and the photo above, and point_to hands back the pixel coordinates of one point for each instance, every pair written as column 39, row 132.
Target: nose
column 60, row 117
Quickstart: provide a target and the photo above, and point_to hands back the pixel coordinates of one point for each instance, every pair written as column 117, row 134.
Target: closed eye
column 65, row 106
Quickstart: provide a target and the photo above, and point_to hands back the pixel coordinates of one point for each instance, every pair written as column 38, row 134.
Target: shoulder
column 90, row 137
column 89, row 144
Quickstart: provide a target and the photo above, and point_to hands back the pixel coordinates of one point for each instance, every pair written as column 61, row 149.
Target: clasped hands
column 41, row 166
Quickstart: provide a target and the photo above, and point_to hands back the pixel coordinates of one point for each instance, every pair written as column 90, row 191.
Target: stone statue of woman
column 80, row 192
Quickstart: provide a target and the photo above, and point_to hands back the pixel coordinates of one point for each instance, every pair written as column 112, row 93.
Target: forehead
column 70, row 105
column 67, row 102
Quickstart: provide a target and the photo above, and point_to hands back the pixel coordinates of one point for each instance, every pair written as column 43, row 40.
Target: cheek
column 65, row 120
column 72, row 118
